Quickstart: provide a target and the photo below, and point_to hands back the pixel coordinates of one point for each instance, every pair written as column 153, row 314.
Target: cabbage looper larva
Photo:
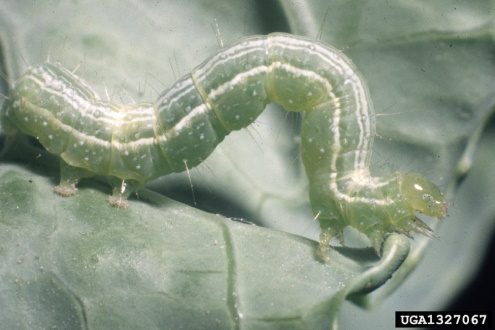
column 139, row 142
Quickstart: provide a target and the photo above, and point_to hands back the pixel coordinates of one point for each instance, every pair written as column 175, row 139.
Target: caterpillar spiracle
column 138, row 142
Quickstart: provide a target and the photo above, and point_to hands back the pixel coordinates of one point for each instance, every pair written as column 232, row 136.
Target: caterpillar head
column 422, row 195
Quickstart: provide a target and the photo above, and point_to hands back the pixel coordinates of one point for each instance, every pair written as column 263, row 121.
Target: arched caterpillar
column 136, row 143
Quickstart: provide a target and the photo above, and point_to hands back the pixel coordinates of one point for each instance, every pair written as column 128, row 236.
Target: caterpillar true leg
column 327, row 234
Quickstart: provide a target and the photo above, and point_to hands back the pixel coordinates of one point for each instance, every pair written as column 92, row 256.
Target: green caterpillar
column 136, row 143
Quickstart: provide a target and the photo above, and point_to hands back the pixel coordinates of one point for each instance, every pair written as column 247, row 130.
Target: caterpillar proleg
column 135, row 143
